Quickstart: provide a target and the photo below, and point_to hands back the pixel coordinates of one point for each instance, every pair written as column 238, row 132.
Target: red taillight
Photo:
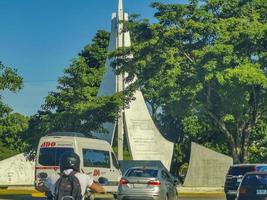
column 254, row 169
column 123, row 181
column 242, row 191
column 153, row 182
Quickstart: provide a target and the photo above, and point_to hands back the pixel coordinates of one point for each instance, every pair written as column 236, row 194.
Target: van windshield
column 51, row 156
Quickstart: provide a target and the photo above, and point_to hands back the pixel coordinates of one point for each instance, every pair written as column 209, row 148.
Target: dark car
column 253, row 187
column 235, row 176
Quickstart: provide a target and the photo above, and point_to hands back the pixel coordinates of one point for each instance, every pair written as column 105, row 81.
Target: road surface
column 201, row 198
column 180, row 198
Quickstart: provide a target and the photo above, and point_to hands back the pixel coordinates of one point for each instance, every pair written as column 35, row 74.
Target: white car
column 142, row 183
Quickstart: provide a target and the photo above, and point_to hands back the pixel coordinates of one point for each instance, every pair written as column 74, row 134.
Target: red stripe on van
column 48, row 167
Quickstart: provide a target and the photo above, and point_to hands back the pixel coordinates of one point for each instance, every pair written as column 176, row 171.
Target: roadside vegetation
column 12, row 125
column 201, row 67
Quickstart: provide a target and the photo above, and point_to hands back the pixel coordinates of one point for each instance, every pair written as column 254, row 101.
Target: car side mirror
column 103, row 180
column 176, row 181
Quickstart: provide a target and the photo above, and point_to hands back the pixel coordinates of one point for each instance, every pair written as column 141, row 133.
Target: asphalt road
column 201, row 198
column 180, row 198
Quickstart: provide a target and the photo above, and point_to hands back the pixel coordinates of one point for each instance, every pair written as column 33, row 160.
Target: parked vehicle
column 97, row 157
column 149, row 182
column 253, row 186
column 235, row 176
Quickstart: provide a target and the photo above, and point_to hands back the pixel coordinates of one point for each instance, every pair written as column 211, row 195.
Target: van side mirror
column 103, row 180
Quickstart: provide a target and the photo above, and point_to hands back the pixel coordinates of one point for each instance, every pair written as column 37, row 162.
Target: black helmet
column 69, row 160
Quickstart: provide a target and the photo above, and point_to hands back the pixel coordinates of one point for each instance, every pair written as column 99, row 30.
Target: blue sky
column 40, row 37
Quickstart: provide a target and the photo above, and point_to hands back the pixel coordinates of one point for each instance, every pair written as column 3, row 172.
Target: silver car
column 147, row 183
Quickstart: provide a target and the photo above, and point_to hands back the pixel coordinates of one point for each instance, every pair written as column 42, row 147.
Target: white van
column 97, row 157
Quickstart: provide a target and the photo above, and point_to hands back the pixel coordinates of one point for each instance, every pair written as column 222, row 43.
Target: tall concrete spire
column 145, row 142
column 120, row 18
column 120, row 8
column 119, row 80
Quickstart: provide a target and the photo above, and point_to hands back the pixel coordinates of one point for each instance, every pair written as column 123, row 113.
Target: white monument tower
column 145, row 142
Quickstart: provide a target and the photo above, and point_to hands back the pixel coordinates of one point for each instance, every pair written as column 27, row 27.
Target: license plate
column 239, row 180
column 233, row 192
column 138, row 185
column 261, row 192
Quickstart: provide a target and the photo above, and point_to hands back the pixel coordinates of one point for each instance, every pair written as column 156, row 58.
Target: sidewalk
column 200, row 191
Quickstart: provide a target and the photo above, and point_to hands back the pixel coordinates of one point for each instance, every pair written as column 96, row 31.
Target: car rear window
column 254, row 180
column 142, row 173
column 240, row 170
column 96, row 158
column 50, row 156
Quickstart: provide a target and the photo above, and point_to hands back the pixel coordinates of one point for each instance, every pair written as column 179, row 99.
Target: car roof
column 249, row 164
column 146, row 167
column 127, row 164
column 257, row 172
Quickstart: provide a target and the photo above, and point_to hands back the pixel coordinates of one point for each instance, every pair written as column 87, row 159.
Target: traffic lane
column 202, row 198
column 179, row 198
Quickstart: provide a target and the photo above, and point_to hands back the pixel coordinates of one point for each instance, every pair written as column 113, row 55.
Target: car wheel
column 228, row 197
column 166, row 198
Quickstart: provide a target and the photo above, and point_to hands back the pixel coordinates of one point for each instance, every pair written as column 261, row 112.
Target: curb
column 13, row 192
column 35, row 194
column 200, row 191
column 200, row 194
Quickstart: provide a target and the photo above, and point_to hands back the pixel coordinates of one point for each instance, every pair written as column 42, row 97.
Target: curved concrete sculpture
column 144, row 140
column 16, row 170
column 207, row 168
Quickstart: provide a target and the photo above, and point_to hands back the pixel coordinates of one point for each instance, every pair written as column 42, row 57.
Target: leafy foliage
column 203, row 67
column 12, row 125
column 75, row 106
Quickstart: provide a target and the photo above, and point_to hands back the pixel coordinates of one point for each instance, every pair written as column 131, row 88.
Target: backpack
column 68, row 187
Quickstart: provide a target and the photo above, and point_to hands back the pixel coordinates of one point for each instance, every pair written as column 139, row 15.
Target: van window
column 96, row 158
column 50, row 156
column 114, row 161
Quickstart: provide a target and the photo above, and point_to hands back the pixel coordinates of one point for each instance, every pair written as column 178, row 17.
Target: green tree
column 75, row 105
column 204, row 65
column 12, row 125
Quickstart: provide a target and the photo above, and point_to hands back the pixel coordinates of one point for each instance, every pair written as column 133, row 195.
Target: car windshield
column 254, row 180
column 142, row 173
column 50, row 156
column 237, row 171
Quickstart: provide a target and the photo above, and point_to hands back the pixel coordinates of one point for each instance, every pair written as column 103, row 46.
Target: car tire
column 229, row 197
column 166, row 197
